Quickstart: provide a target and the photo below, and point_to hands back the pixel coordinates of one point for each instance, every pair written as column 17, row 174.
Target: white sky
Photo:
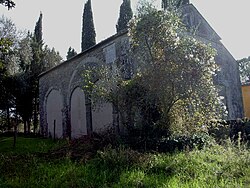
column 62, row 21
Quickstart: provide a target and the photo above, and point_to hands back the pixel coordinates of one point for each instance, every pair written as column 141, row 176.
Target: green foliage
column 180, row 143
column 5, row 48
column 71, row 53
column 27, row 145
column 51, row 58
column 125, row 15
column 88, row 29
column 213, row 166
column 38, row 34
column 172, row 86
column 244, row 67
column 184, row 67
column 22, row 58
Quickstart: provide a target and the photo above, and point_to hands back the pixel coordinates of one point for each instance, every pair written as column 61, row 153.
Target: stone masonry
column 60, row 88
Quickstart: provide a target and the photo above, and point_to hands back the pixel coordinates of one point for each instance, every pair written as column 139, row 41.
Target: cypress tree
column 38, row 35
column 37, row 66
column 88, row 29
column 125, row 15
column 71, row 53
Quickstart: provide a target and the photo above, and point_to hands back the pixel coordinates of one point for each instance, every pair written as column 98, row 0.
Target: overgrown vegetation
column 32, row 164
column 170, row 141
column 23, row 56
column 164, row 86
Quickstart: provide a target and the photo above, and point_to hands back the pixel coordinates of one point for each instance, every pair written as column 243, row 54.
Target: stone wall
column 228, row 78
column 69, row 114
column 67, row 78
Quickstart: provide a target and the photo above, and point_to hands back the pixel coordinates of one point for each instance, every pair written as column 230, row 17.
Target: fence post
column 54, row 130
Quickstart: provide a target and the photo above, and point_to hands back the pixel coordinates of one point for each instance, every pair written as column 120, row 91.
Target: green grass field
column 30, row 165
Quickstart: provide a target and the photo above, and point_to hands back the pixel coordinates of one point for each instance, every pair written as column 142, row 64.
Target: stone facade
column 65, row 110
column 62, row 102
column 228, row 79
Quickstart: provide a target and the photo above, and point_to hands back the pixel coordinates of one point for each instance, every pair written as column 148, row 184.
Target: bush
column 180, row 143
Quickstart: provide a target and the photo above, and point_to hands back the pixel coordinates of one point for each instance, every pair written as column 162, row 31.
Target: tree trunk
column 29, row 126
column 35, row 114
column 15, row 132
column 25, row 126
column 8, row 119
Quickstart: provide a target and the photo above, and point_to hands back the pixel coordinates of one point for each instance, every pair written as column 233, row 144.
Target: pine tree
column 166, row 4
column 88, row 29
column 125, row 15
column 71, row 53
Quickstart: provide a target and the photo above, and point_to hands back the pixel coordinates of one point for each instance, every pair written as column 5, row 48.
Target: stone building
column 65, row 110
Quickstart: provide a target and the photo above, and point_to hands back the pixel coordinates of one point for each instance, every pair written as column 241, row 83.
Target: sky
column 62, row 21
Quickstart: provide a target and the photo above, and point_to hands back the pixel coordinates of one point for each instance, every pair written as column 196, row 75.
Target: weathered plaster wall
column 78, row 113
column 228, row 79
column 54, row 108
column 67, row 77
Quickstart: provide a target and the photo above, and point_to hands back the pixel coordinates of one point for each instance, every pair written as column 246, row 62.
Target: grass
column 27, row 145
column 29, row 166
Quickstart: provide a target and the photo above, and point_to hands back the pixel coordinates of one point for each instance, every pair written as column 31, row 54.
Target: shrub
column 180, row 143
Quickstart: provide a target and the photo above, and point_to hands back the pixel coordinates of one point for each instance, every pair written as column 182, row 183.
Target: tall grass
column 225, row 165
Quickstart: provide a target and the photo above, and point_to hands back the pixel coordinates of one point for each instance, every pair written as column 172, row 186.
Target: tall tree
column 88, row 29
column 8, row 42
column 71, row 53
column 125, row 15
column 51, row 58
column 37, row 67
column 172, row 85
column 38, row 34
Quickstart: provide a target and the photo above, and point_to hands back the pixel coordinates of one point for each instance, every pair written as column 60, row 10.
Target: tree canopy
column 71, row 53
column 244, row 67
column 172, row 85
column 23, row 57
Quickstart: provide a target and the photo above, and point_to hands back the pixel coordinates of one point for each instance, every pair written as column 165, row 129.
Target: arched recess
column 102, row 116
column 54, row 106
column 78, row 113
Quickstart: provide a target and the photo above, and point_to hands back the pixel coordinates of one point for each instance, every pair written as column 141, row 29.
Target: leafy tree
column 172, row 86
column 71, row 53
column 172, row 4
column 51, row 58
column 8, row 3
column 184, row 66
column 24, row 95
column 24, row 53
column 88, row 29
column 125, row 15
column 244, row 67
column 22, row 58
column 8, row 41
